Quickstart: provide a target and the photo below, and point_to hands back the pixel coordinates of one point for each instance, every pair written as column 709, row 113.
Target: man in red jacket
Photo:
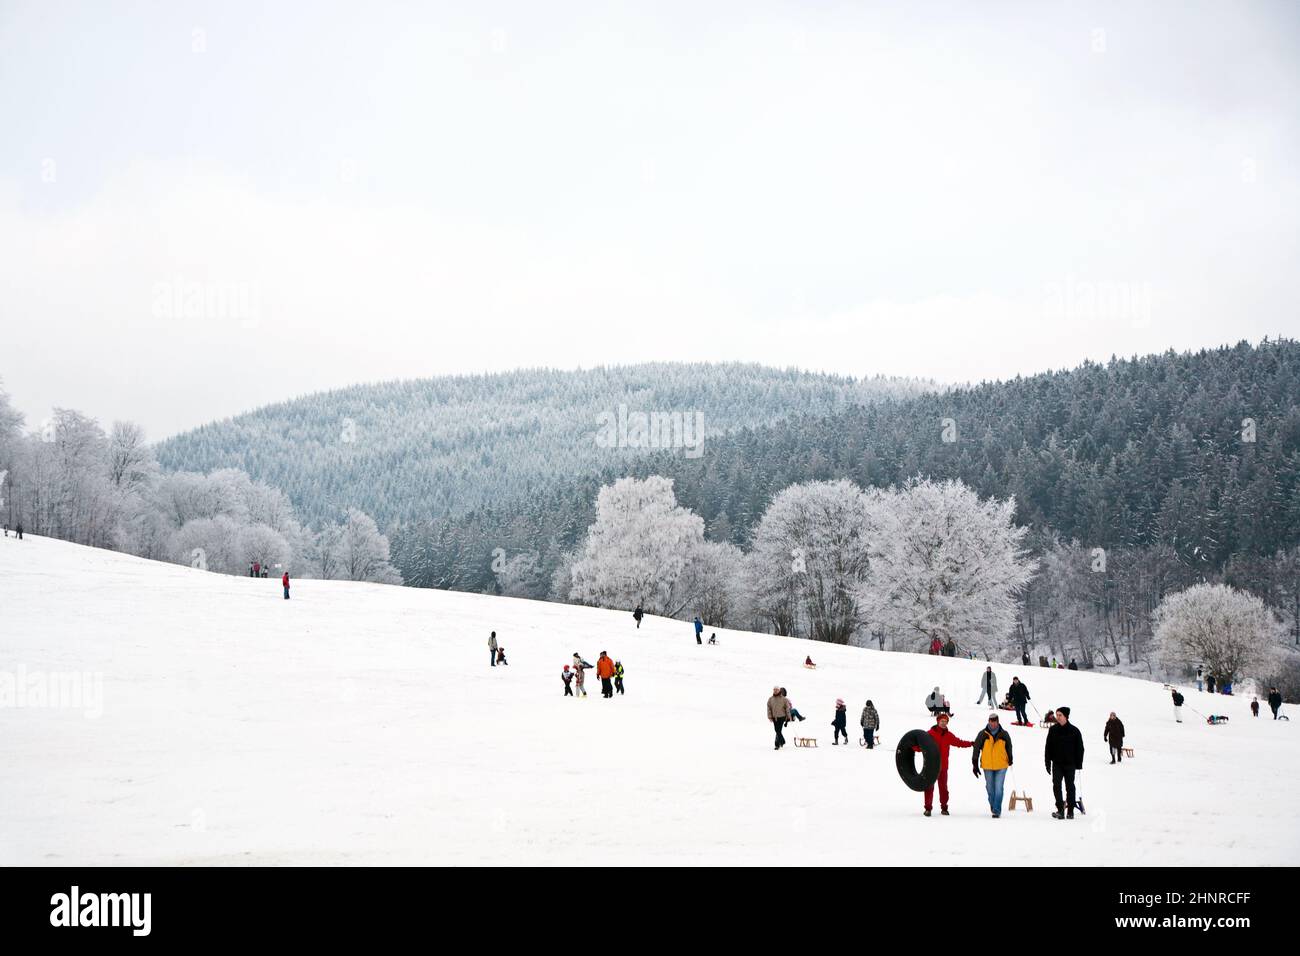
column 285, row 581
column 945, row 740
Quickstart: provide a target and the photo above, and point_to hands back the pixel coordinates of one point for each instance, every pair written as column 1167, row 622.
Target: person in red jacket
column 945, row 740
column 285, row 581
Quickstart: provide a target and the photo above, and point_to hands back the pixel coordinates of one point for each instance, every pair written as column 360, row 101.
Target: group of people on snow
column 608, row 670
column 18, row 531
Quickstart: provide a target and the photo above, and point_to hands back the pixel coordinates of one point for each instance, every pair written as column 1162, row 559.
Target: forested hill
column 1195, row 454
column 410, row 450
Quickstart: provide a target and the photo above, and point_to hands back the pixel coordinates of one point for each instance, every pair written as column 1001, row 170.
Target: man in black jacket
column 1019, row 694
column 1274, row 701
column 1063, row 755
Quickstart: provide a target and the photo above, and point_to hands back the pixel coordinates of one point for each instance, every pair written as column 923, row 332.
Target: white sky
column 957, row 191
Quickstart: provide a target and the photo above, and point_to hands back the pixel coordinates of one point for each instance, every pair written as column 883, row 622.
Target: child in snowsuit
column 501, row 656
column 1254, row 707
column 618, row 676
column 567, row 677
column 870, row 724
column 840, row 723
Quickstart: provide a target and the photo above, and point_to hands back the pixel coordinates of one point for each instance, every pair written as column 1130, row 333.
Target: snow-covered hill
column 360, row 723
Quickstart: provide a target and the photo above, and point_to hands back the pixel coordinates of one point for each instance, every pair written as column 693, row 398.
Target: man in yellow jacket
column 992, row 752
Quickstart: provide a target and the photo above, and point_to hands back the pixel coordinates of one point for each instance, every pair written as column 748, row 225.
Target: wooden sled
column 811, row 667
column 1128, row 752
column 805, row 741
column 1021, row 798
column 863, row 743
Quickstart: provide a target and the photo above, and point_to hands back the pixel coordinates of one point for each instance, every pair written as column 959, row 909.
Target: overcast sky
column 205, row 207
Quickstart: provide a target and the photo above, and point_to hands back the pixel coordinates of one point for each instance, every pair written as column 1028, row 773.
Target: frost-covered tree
column 637, row 548
column 945, row 564
column 362, row 553
column 714, row 585
column 1227, row 631
column 809, row 556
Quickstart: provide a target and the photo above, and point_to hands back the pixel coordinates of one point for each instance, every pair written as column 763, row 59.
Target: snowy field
column 362, row 724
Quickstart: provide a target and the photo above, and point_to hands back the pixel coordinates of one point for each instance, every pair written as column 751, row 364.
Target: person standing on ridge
column 699, row 629
column 1024, row 659
column 492, row 648
column 936, row 647
column 1209, row 684
column 285, row 582
column 950, row 649
column 1063, row 757
column 992, row 755
column 1072, row 666
column 638, row 614
column 945, row 740
column 1200, row 677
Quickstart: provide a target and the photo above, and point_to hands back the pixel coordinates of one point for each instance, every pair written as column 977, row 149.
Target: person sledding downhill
column 1018, row 694
column 945, row 740
column 937, row 704
column 841, row 723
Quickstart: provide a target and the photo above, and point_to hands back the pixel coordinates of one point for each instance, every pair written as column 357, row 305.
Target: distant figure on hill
column 808, row 662
column 638, row 614
column 1114, row 736
column 1254, row 707
column 1274, row 701
column 936, row 703
column 713, row 638
column 778, row 712
column 1200, row 677
column 1053, row 663
column 19, row 529
column 1072, row 665
column 618, row 676
column 492, row 648
column 567, row 677
column 1024, row 659
column 1178, row 706
column 936, row 647
column 841, row 723
column 257, row 569
column 285, row 582
column 699, row 629
column 870, row 724
column 950, row 649
column 1209, row 684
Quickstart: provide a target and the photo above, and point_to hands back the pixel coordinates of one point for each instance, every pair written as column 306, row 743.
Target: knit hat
column 839, row 702
column 1063, row 710
column 566, row 667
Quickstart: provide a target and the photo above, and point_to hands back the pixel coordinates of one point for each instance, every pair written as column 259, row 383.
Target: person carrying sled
column 840, row 724
column 638, row 614
column 1019, row 695
column 1178, row 706
column 989, row 687
column 1063, row 757
column 778, row 712
column 870, row 724
column 492, row 648
column 284, row 581
column 579, row 675
column 1114, row 737
column 605, row 671
column 1274, row 701
column 567, row 677
column 992, row 755
column 945, row 740
column 618, row 676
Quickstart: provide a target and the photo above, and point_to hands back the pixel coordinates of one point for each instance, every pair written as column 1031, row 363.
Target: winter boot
column 927, row 812
column 944, row 811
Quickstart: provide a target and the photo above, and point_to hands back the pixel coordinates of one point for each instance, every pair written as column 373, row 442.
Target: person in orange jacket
column 945, row 740
column 605, row 671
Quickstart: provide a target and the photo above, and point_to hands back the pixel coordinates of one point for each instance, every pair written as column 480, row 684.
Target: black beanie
column 1063, row 710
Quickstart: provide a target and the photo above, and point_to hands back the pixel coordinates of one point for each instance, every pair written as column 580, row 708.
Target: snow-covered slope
column 362, row 724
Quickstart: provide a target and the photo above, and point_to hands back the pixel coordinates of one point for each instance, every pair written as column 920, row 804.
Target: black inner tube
column 905, row 758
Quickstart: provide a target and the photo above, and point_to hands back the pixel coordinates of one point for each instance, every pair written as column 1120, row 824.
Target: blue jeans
column 993, row 783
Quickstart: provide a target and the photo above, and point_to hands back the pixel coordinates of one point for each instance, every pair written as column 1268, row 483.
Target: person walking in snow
column 492, row 648
column 870, row 724
column 1063, row 757
column 579, row 675
column 618, row 676
column 794, row 711
column 1200, row 677
column 699, row 629
column 638, row 614
column 19, row 530
column 778, row 712
column 993, row 755
column 945, row 740
column 1274, row 701
column 1114, row 737
column 1178, row 706
column 936, row 703
column 285, row 582
column 1018, row 694
column 989, row 686
column 1254, row 707
column 567, row 677
column 840, row 724
column 605, row 671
